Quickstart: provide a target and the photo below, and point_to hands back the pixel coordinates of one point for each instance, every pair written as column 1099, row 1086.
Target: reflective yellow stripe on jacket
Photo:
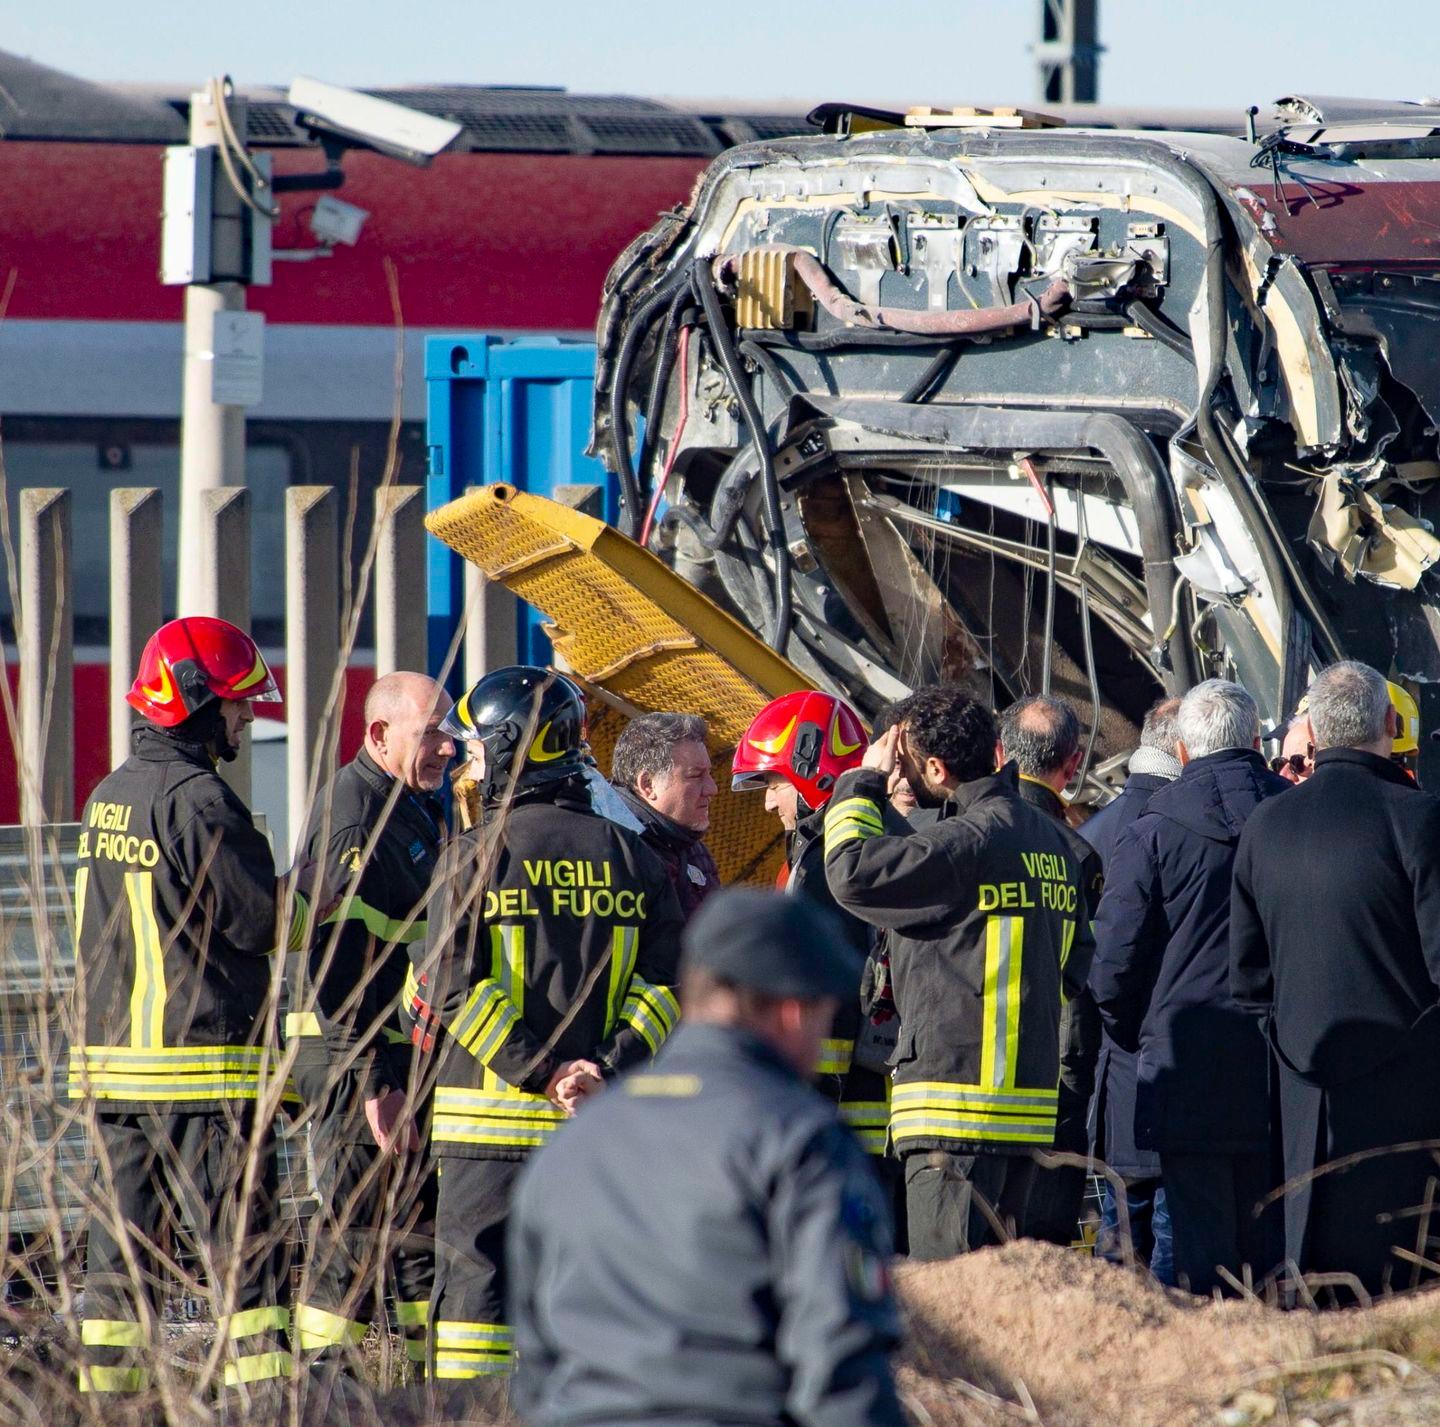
column 849, row 819
column 222, row 1072
column 506, row 1119
column 651, row 1011
column 930, row 1110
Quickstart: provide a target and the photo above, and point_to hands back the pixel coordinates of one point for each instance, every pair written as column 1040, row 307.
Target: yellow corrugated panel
column 627, row 623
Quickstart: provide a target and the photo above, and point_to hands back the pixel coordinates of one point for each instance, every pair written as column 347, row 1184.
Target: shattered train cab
column 1103, row 412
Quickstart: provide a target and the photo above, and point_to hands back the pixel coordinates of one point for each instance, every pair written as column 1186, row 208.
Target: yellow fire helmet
column 1401, row 700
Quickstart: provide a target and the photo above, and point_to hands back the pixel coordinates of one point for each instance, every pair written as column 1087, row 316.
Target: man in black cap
column 742, row 1276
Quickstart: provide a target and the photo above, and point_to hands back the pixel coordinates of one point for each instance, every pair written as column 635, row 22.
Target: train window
column 92, row 470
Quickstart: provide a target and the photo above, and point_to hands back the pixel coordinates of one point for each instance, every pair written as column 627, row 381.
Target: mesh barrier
column 626, row 623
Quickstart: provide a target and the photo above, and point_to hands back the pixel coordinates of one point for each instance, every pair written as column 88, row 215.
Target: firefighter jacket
column 705, row 1244
column 553, row 935
column 862, row 1095
column 985, row 916
column 175, row 920
column 375, row 844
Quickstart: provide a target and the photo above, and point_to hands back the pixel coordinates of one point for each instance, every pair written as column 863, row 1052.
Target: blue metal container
column 513, row 409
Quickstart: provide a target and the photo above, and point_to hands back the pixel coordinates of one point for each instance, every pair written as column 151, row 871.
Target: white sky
column 1216, row 53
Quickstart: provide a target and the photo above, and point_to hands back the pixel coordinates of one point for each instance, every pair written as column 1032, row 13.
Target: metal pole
column 312, row 645
column 136, row 607
column 47, row 659
column 1068, row 54
column 212, row 437
column 399, row 575
column 491, row 638
column 223, row 585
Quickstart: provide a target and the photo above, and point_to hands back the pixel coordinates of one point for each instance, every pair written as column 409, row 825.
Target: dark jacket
column 552, row 935
column 1044, row 799
column 175, row 921
column 343, row 990
column 1112, row 1112
column 688, row 863
column 1335, row 936
column 741, row 1277
column 862, row 1094
column 985, row 915
column 1102, row 830
column 1161, row 973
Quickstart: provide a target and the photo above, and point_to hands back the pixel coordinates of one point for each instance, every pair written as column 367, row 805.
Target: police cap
column 779, row 946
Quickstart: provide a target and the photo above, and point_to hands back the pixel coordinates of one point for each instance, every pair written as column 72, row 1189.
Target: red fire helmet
column 808, row 738
column 190, row 661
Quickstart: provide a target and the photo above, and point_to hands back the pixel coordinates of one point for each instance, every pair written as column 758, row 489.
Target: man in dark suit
column 1335, row 941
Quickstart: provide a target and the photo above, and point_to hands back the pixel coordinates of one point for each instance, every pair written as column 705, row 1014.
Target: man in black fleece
column 661, row 769
column 1335, row 941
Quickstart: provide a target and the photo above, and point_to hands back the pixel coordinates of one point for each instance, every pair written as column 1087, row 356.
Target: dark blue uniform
column 704, row 1243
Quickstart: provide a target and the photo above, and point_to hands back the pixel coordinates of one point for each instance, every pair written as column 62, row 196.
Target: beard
column 926, row 796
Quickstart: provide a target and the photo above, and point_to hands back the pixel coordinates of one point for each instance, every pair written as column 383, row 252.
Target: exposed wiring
column 665, row 348
column 1087, row 639
column 935, row 373
column 1042, row 489
column 681, row 359
column 639, row 327
column 231, row 147
column 1158, row 326
column 705, row 290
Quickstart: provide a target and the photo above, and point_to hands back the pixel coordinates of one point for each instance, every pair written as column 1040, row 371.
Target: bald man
column 374, row 834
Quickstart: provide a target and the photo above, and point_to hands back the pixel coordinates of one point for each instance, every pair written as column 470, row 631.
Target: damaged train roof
column 1038, row 407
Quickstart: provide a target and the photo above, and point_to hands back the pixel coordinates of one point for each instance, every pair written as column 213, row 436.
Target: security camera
column 362, row 121
column 332, row 221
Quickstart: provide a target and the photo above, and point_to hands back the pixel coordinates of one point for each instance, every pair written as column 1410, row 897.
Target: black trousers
column 958, row 1202
column 1058, row 1195
column 179, row 1180
column 1212, row 1201
column 468, row 1332
column 373, row 1232
column 1349, row 1221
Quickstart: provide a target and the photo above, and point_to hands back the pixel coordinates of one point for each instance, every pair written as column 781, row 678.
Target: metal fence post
column 136, row 598
column 312, row 644
column 222, row 587
column 45, row 757
column 399, row 580
column 491, row 638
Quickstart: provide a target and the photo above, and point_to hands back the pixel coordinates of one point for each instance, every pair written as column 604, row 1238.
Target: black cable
column 1161, row 328
column 783, row 389
column 665, row 352
column 1089, row 643
column 779, row 635
column 630, row 502
column 1050, row 582
column 858, row 338
column 936, row 371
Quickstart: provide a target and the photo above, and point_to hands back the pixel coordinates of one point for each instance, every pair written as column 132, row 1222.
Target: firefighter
column 795, row 749
column 986, row 917
column 176, row 904
column 374, row 835
column 549, row 966
column 707, row 1244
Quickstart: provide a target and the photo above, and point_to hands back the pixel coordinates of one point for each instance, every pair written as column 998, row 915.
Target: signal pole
column 1068, row 54
column 212, row 433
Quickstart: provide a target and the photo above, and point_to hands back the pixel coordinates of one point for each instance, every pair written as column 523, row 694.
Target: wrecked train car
column 1106, row 413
